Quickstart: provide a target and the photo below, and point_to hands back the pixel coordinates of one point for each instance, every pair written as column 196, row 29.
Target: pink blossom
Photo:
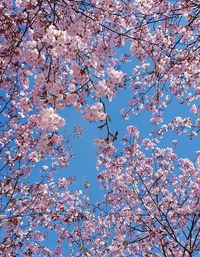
column 194, row 109
column 133, row 131
column 94, row 112
column 50, row 120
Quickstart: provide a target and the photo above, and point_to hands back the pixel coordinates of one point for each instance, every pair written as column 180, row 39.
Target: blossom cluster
column 50, row 120
column 94, row 112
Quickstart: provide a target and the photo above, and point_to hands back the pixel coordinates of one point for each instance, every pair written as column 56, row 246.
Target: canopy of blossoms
column 61, row 54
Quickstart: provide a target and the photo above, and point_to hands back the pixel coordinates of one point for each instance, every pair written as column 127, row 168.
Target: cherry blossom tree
column 153, row 200
column 61, row 54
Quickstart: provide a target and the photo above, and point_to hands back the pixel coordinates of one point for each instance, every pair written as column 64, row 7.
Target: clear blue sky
column 83, row 165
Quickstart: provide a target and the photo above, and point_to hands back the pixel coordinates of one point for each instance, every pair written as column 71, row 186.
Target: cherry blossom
column 49, row 120
column 61, row 55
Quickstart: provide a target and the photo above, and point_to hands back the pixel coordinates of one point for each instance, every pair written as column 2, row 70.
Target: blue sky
column 83, row 165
